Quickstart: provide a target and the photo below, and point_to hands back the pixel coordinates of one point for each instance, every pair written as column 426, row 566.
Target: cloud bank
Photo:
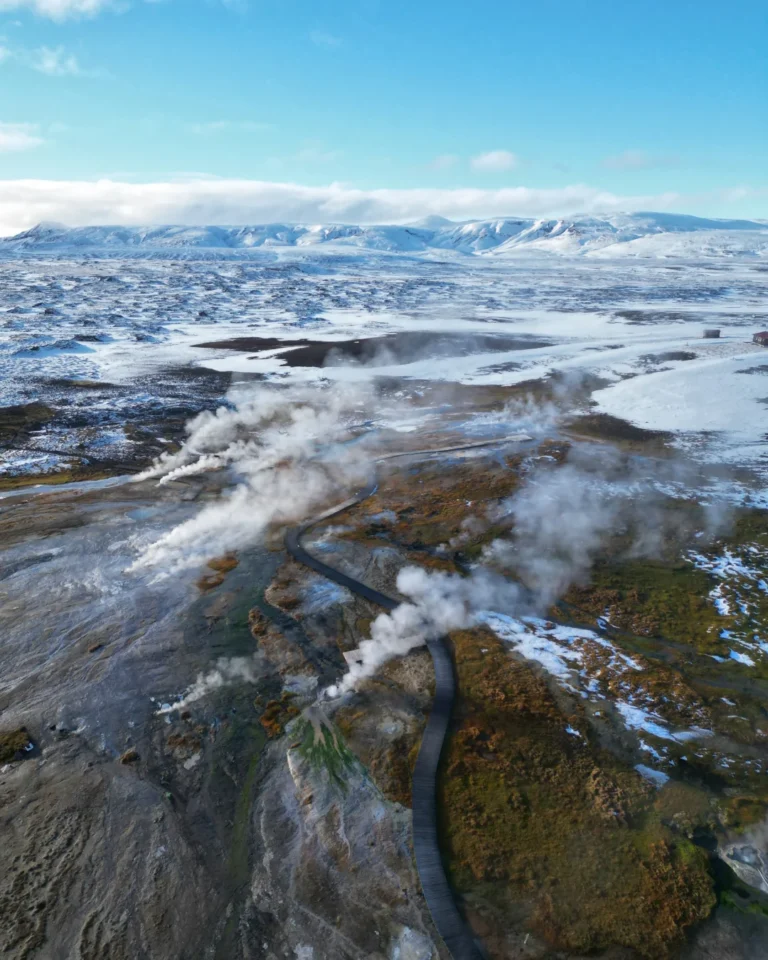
column 24, row 203
column 58, row 9
column 496, row 161
column 52, row 61
column 17, row 136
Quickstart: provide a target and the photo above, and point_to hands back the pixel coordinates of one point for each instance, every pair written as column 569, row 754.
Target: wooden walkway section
column 448, row 921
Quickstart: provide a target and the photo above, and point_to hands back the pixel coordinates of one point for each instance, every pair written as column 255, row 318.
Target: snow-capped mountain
column 638, row 234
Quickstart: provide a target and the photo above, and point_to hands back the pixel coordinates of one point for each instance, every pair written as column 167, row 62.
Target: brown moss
column 284, row 588
column 221, row 567
column 662, row 690
column 390, row 763
column 14, row 744
column 277, row 714
column 743, row 810
column 283, row 653
column 557, row 449
column 542, row 818
column 257, row 623
column 685, row 809
column 224, row 563
column 209, row 581
column 434, row 506
column 131, row 755
column 673, row 891
column 186, row 742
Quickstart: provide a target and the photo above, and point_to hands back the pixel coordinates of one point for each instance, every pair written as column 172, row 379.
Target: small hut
column 761, row 339
column 711, row 334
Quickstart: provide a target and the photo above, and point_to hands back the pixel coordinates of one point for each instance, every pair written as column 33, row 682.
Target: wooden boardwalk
column 448, row 921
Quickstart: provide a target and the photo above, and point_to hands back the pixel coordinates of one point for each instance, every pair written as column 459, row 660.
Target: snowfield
column 621, row 300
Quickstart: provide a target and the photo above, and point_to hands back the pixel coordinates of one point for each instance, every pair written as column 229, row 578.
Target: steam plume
column 227, row 670
column 440, row 602
column 286, row 446
column 560, row 520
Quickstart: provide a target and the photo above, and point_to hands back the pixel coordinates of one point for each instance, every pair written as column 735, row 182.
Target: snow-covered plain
column 624, row 299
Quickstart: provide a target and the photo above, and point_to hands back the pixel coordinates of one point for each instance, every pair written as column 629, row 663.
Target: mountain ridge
column 640, row 234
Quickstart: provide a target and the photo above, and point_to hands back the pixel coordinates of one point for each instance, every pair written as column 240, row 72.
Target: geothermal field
column 208, row 745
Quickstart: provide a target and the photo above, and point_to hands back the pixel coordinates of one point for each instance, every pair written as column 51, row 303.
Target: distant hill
column 637, row 234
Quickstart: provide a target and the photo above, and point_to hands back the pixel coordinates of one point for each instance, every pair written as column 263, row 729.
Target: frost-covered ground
column 116, row 315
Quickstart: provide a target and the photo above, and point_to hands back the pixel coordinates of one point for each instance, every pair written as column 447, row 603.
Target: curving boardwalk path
column 448, row 921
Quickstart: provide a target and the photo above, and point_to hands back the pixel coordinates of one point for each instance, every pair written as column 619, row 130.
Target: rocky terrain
column 183, row 771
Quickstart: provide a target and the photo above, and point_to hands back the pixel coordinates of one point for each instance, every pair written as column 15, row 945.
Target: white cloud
column 58, row 9
column 19, row 136
column 322, row 38
column 54, row 61
column 23, row 203
column 639, row 160
column 496, row 161
column 444, row 162
column 210, row 127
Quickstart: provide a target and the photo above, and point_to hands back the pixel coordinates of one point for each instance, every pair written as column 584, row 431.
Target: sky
column 129, row 111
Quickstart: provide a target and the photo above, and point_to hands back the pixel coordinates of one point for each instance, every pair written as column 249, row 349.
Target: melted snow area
column 589, row 664
column 741, row 598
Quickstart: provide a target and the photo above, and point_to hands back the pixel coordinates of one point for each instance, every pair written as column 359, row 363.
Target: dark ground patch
column 668, row 356
column 8, row 569
column 403, row 347
column 606, row 427
column 508, row 367
column 761, row 368
column 154, row 421
column 249, row 344
column 22, row 419
column 63, row 383
column 642, row 317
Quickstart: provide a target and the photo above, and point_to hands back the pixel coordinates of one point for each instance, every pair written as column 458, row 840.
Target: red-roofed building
column 761, row 338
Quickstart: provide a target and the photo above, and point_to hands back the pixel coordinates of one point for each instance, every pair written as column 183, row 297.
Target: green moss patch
column 654, row 599
column 534, row 815
column 320, row 743
column 14, row 744
column 71, row 475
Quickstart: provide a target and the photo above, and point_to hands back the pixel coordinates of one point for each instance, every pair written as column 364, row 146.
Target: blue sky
column 619, row 104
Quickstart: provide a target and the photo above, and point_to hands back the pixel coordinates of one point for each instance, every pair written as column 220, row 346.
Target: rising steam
column 558, row 522
column 439, row 602
column 287, row 449
column 227, row 670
